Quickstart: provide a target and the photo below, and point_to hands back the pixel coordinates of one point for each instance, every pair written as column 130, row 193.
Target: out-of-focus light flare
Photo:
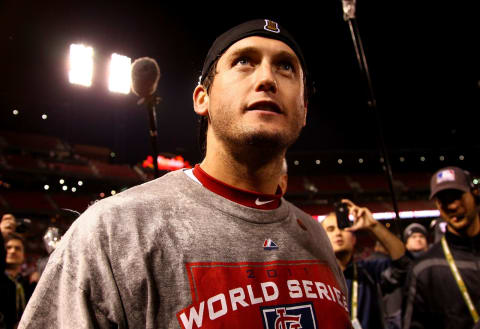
column 64, row 187
column 15, row 112
column 44, row 116
column 119, row 79
column 81, row 65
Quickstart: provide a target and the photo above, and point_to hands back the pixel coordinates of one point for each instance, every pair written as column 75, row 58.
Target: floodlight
column 119, row 79
column 81, row 65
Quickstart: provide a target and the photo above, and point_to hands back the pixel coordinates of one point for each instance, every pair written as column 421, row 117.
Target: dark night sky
column 423, row 56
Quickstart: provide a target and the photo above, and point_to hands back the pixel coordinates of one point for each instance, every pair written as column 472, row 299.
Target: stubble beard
column 253, row 141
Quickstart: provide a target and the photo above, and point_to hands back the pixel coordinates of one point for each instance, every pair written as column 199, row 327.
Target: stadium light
column 409, row 214
column 119, row 80
column 81, row 65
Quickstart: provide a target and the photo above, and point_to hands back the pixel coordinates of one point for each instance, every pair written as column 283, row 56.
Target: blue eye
column 242, row 61
column 286, row 66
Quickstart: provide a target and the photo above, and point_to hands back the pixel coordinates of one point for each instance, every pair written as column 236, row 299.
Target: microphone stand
column 349, row 16
column 151, row 102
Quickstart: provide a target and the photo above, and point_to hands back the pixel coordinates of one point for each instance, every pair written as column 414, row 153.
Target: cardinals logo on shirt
column 289, row 316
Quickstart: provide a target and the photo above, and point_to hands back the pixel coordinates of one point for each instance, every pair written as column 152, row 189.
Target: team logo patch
column 269, row 245
column 293, row 316
column 447, row 175
column 271, row 26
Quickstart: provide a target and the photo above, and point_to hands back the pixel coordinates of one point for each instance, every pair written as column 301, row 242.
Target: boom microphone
column 348, row 9
column 145, row 76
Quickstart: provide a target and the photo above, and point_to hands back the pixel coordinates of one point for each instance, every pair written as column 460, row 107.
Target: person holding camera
column 364, row 278
column 444, row 283
column 8, row 225
column 15, row 247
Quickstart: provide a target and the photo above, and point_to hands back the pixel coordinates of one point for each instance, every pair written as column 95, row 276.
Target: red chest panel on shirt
column 270, row 295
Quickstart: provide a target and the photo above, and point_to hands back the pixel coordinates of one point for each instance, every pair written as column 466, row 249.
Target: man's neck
column 13, row 270
column 252, row 172
column 472, row 230
column 343, row 258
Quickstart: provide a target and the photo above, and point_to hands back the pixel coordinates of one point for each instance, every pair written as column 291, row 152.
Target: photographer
column 365, row 278
column 8, row 225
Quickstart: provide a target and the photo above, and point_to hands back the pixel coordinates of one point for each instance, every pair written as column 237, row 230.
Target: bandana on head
column 258, row 27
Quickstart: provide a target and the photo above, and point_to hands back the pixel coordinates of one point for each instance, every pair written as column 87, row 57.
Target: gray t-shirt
column 172, row 254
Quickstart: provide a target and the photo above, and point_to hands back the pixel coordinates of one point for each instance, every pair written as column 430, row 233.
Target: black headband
column 259, row 27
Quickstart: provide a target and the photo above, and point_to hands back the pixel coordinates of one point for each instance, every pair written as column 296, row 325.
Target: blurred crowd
column 429, row 277
column 17, row 282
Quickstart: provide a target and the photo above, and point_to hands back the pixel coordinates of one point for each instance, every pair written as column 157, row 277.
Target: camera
column 341, row 211
column 23, row 225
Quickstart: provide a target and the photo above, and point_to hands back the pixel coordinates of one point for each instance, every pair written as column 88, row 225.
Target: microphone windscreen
column 145, row 76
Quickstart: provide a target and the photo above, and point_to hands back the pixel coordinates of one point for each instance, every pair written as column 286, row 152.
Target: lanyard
column 354, row 293
column 354, row 316
column 459, row 280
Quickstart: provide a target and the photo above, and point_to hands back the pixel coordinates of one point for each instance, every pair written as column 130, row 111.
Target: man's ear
column 476, row 195
column 201, row 100
column 305, row 114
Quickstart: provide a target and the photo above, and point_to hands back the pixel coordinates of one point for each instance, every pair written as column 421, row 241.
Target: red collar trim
column 244, row 197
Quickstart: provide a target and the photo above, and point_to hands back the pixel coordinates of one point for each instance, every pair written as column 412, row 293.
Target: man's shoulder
column 301, row 214
column 304, row 218
column 140, row 202
column 429, row 260
column 165, row 187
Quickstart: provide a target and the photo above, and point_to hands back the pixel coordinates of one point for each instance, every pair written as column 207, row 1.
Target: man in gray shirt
column 216, row 246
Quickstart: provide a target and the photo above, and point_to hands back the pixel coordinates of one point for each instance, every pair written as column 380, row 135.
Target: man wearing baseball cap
column 216, row 246
column 444, row 284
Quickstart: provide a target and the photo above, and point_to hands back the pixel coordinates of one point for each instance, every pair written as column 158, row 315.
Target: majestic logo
column 261, row 203
column 447, row 175
column 271, row 26
column 294, row 316
column 269, row 245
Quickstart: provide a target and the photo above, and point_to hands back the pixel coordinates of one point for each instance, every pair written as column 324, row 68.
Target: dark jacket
column 371, row 281
column 7, row 293
column 433, row 297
